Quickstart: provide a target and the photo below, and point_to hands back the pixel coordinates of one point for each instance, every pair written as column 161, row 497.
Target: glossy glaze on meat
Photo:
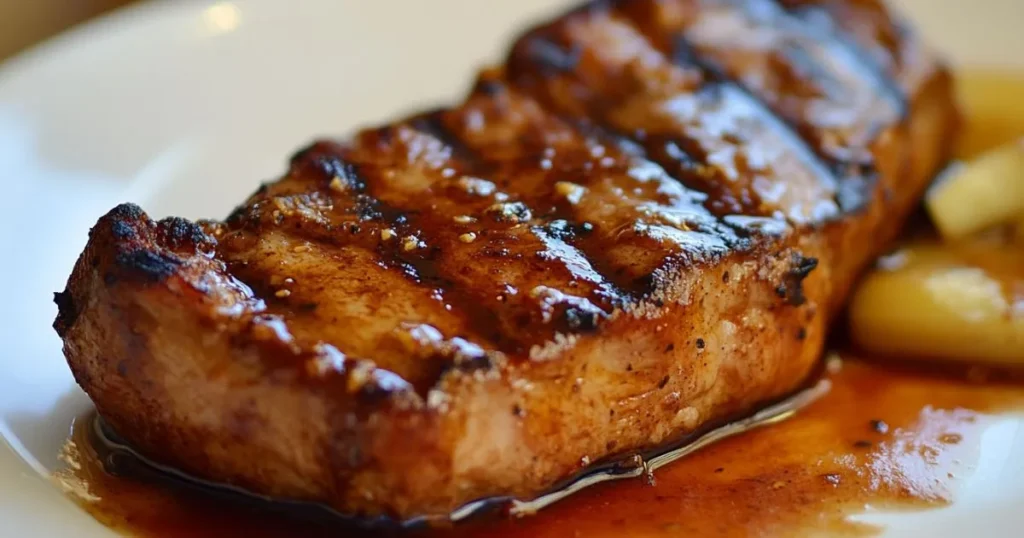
column 635, row 229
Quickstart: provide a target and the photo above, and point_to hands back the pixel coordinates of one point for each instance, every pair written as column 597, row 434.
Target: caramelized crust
column 637, row 228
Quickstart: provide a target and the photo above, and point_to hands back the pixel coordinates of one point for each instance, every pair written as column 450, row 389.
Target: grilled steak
column 636, row 228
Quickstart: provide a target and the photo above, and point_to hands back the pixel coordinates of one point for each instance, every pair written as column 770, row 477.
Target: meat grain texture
column 636, row 228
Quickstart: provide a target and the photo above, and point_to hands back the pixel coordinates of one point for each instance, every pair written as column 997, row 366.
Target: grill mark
column 884, row 50
column 432, row 124
column 419, row 264
column 666, row 153
column 562, row 222
column 641, row 144
column 550, row 57
column 357, row 219
column 683, row 55
column 419, row 365
column 518, row 319
column 318, row 212
column 678, row 154
column 592, row 100
column 320, row 164
column 820, row 19
column 596, row 122
column 861, row 64
column 621, row 149
column 854, row 173
column 677, row 157
column 608, row 295
column 855, row 189
column 878, row 40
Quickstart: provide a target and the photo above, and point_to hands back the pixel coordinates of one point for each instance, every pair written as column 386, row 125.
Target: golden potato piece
column 994, row 110
column 984, row 192
column 963, row 302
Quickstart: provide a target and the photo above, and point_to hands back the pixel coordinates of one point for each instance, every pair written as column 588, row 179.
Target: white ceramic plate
column 183, row 107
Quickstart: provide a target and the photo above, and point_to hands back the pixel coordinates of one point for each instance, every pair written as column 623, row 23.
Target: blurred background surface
column 25, row 22
column 969, row 30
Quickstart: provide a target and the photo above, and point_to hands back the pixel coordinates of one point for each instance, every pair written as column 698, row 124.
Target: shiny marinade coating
column 637, row 228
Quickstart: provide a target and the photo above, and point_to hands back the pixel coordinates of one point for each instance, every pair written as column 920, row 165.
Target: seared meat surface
column 637, row 228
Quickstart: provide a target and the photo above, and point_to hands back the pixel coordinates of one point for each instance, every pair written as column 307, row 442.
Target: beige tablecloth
column 973, row 31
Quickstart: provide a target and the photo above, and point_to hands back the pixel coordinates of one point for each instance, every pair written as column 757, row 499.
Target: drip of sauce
column 886, row 435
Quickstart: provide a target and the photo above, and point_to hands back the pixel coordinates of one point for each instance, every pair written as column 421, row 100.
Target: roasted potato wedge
column 984, row 192
column 963, row 302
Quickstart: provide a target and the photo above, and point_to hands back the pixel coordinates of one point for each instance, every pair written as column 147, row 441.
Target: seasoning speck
column 411, row 243
column 879, row 426
column 510, row 212
column 464, row 219
column 571, row 191
column 359, row 375
column 518, row 411
column 336, row 184
column 833, row 363
column 283, row 293
column 477, row 186
column 832, row 478
column 386, row 234
column 950, row 438
column 467, row 237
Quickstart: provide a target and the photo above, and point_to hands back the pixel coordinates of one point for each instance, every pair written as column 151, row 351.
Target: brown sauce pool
column 888, row 436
